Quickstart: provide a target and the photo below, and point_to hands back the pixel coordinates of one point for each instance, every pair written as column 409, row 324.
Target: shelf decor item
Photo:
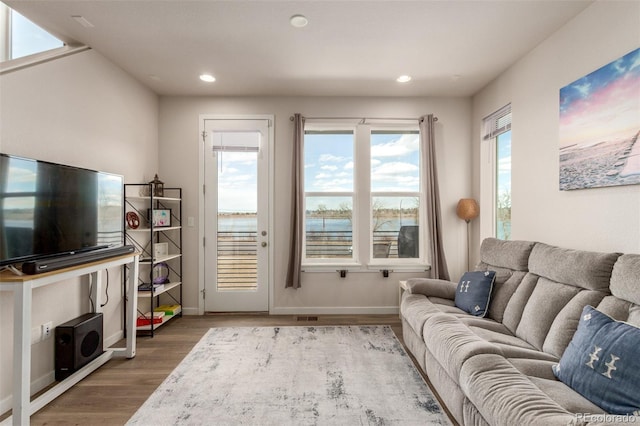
column 160, row 249
column 133, row 221
column 157, row 187
column 160, row 217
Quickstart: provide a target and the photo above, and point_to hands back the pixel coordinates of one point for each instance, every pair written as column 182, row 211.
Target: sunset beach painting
column 599, row 127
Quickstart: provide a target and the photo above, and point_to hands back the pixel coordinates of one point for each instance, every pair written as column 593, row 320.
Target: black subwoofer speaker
column 78, row 342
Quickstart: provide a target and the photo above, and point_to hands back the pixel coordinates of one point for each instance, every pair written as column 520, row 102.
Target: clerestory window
column 21, row 38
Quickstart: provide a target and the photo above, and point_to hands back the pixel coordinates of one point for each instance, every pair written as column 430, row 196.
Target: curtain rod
column 363, row 119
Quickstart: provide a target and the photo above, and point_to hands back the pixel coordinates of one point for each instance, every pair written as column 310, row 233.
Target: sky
column 603, row 105
column 329, row 165
column 28, row 38
column 504, row 164
column 237, row 182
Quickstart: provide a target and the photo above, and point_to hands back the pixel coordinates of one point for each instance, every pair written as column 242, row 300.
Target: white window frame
column 492, row 126
column 9, row 65
column 337, row 127
column 362, row 260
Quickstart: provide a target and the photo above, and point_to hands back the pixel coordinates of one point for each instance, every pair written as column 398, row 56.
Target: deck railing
column 237, row 252
column 237, row 260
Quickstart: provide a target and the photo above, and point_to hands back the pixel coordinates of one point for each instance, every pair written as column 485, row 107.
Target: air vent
column 306, row 318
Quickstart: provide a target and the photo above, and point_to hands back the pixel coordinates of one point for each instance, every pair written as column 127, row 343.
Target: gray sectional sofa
column 497, row 370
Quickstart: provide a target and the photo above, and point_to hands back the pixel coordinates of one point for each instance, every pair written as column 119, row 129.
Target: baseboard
column 36, row 386
column 333, row 310
column 190, row 311
column 45, row 380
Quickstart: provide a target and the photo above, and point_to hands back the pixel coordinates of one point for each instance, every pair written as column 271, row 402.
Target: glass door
column 236, row 215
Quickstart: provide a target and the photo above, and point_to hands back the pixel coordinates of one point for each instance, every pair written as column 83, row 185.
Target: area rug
column 357, row 375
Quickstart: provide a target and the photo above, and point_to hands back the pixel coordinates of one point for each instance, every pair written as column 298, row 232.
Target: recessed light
column 403, row 79
column 298, row 21
column 208, row 78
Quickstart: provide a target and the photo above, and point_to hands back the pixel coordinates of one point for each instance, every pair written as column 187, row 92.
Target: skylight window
column 21, row 37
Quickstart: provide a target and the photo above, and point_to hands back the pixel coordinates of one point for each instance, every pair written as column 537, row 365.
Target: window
column 497, row 130
column 329, row 193
column 20, row 37
column 363, row 198
column 395, row 193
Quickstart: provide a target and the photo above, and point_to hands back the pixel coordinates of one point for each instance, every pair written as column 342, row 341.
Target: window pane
column 328, row 226
column 395, row 161
column 394, row 224
column 328, row 161
column 503, row 187
column 27, row 38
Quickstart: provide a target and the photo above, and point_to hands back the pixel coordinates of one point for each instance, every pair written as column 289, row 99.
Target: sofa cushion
column 432, row 287
column 566, row 322
column 506, row 254
column 602, row 363
column 504, row 286
column 624, row 278
column 509, row 259
column 415, row 309
column 584, row 269
column 504, row 396
column 451, row 342
column 474, row 292
column 546, row 301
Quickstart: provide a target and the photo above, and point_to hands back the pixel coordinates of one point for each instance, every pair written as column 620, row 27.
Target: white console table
column 22, row 288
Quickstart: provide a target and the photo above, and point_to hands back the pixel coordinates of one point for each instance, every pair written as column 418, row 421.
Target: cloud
column 329, row 167
column 406, row 144
column 393, row 168
column 584, row 89
column 395, row 176
column 330, row 158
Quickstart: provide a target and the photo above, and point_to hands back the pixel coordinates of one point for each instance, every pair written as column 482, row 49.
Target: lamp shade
column 467, row 209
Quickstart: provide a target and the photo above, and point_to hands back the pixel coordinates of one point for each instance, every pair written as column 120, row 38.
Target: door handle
column 264, row 244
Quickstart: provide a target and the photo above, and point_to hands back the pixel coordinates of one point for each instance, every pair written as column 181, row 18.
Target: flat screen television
column 49, row 209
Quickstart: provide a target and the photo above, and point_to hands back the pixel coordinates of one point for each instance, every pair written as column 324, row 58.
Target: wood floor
column 113, row 393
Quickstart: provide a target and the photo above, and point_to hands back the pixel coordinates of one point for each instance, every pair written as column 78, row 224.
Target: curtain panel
column 434, row 219
column 294, row 268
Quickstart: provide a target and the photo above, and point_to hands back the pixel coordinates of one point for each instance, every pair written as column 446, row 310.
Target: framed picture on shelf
column 160, row 249
column 160, row 217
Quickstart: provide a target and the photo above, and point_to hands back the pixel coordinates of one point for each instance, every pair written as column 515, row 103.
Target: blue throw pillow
column 474, row 292
column 602, row 364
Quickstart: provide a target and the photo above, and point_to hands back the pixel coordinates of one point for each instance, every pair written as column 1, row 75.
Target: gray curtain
column 297, row 206
column 434, row 220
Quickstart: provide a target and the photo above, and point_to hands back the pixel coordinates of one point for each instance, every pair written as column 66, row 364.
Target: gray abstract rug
column 357, row 375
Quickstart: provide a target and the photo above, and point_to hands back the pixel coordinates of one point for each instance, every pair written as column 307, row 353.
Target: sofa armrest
column 432, row 287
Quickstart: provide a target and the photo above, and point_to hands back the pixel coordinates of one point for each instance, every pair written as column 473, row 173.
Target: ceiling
column 349, row 48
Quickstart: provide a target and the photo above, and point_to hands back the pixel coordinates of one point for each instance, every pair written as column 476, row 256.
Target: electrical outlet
column 46, row 330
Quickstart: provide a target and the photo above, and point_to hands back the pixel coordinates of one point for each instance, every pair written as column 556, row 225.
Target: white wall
column 84, row 111
column 602, row 219
column 320, row 292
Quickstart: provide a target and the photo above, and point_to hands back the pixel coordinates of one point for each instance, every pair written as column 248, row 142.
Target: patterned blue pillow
column 602, row 364
column 474, row 292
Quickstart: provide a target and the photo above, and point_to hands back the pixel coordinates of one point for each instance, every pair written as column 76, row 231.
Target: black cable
column 90, row 292
column 106, row 290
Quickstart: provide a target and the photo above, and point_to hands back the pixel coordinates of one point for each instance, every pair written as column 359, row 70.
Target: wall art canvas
column 599, row 127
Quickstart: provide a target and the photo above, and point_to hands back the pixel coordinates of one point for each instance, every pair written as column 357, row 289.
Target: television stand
column 22, row 288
